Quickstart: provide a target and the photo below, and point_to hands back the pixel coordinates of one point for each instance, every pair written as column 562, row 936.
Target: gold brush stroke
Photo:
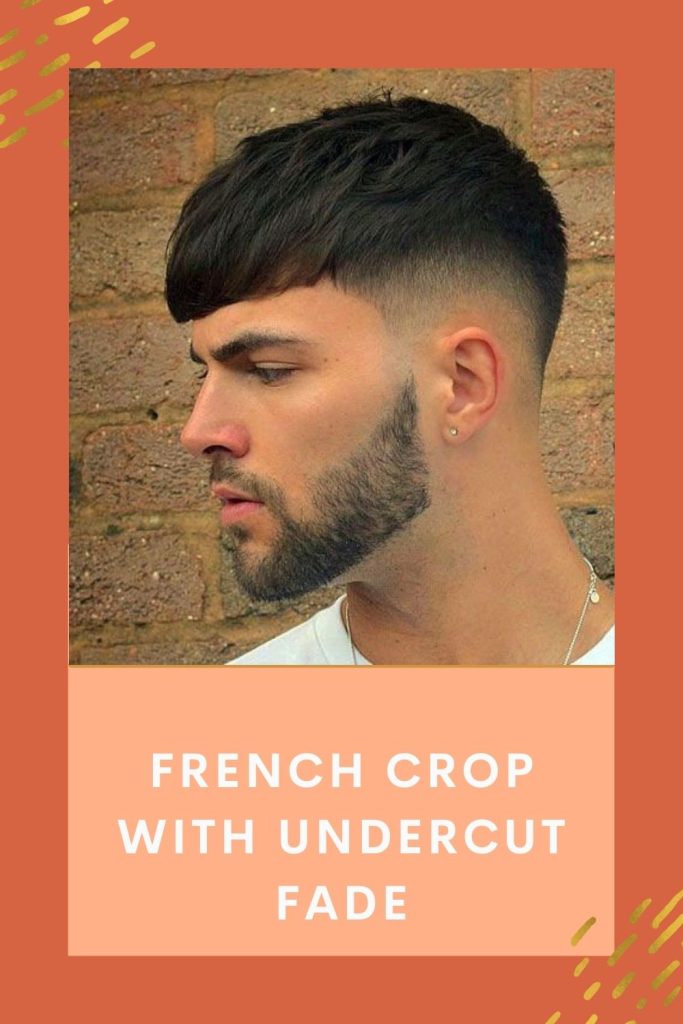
column 29, row 3
column 110, row 30
column 9, row 95
column 591, row 990
column 593, row 1019
column 66, row 19
column 554, row 1017
column 672, row 995
column 666, row 973
column 621, row 949
column 40, row 40
column 47, row 101
column 55, row 64
column 142, row 50
column 8, row 35
column 641, row 1004
column 657, row 920
column 65, row 142
column 666, row 934
column 14, row 59
column 581, row 966
column 577, row 936
column 2, row 118
column 635, row 914
column 93, row 64
column 14, row 137
column 622, row 985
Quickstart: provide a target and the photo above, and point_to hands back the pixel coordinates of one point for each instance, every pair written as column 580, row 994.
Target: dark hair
column 393, row 199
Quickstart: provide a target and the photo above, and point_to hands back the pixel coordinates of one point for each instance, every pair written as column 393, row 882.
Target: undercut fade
column 400, row 201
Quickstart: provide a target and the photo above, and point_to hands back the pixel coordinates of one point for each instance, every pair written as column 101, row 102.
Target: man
column 373, row 296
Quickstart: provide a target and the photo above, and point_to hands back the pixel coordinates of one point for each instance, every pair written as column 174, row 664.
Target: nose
column 212, row 428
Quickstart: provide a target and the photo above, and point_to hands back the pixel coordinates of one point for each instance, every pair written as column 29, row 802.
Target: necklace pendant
column 595, row 597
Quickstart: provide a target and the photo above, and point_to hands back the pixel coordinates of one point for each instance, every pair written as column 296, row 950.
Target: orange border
column 649, row 697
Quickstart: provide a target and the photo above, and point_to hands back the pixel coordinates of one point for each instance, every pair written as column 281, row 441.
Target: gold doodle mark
column 593, row 1019
column 142, row 50
column 55, row 64
column 66, row 19
column 93, row 64
column 110, row 30
column 14, row 137
column 8, row 95
column 581, row 966
column 554, row 1017
column 8, row 35
column 29, row 3
column 666, row 973
column 640, row 909
column 586, row 926
column 47, row 101
column 672, row 995
column 666, row 934
column 658, row 918
column 622, row 985
column 591, row 990
column 621, row 949
column 641, row 1004
column 40, row 40
column 14, row 59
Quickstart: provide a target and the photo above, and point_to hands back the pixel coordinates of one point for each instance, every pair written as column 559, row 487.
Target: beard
column 360, row 504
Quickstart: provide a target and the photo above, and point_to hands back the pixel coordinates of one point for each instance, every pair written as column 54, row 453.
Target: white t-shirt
column 323, row 640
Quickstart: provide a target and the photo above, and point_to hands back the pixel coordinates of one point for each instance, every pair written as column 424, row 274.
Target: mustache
column 248, row 483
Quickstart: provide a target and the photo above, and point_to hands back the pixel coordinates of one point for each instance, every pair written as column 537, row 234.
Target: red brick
column 132, row 578
column 593, row 532
column 572, row 107
column 103, row 81
column 252, row 107
column 171, row 652
column 142, row 469
column 586, row 199
column 119, row 253
column 131, row 145
column 577, row 441
column 130, row 364
column 584, row 345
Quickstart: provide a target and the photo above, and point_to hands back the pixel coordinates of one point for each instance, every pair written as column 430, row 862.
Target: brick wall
column 151, row 578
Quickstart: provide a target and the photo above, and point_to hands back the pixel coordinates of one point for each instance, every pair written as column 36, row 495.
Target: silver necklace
column 592, row 597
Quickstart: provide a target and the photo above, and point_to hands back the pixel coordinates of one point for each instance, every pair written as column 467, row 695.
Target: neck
column 507, row 586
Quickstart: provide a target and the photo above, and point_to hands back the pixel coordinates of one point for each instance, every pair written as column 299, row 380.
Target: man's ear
column 474, row 366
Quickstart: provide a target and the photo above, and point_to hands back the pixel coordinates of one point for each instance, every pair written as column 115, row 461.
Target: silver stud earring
column 453, row 431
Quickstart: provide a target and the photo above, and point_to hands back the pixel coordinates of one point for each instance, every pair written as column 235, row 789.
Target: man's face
column 308, row 414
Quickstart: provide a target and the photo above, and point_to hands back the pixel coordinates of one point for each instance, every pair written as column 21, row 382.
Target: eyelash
column 266, row 374
column 271, row 374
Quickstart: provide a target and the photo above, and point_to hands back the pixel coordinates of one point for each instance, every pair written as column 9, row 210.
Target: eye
column 271, row 374
column 201, row 374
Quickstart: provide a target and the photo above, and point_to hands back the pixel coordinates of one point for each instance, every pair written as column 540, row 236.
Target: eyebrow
column 248, row 341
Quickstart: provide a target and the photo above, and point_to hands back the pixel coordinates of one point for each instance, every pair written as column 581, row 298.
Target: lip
column 234, row 504
column 228, row 494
